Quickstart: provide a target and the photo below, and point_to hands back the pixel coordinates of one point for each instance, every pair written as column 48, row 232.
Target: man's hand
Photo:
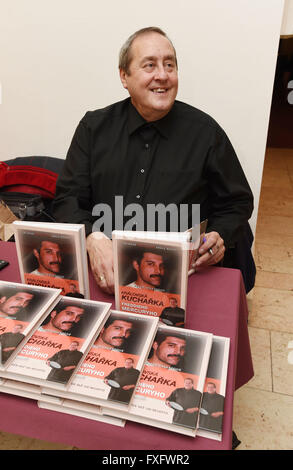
column 191, row 410
column 216, row 414
column 69, row 367
column 100, row 252
column 211, row 251
column 128, row 387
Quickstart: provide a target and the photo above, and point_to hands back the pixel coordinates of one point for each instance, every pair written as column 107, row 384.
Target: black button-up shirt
column 184, row 158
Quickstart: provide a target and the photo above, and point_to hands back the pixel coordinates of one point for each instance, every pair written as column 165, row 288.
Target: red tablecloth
column 216, row 303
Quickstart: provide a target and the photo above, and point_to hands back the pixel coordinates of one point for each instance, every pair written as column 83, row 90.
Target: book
column 83, row 410
column 151, row 274
column 170, row 388
column 54, row 352
column 22, row 309
column 196, row 234
column 53, row 255
column 25, row 390
column 111, row 369
column 211, row 415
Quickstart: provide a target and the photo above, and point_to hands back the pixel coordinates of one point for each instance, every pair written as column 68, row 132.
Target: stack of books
column 137, row 362
column 78, row 356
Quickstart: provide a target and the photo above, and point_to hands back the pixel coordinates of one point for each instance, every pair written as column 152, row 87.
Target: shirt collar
column 135, row 120
column 164, row 126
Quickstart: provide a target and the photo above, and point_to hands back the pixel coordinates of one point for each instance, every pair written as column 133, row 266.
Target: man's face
column 65, row 319
column 128, row 364
column 116, row 333
column 173, row 303
column 17, row 329
column 211, row 388
column 152, row 81
column 73, row 346
column 49, row 257
column 151, row 269
column 188, row 384
column 12, row 305
column 171, row 350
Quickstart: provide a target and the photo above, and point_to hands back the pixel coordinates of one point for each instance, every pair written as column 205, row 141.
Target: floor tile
column 280, row 158
column 263, row 420
column 43, row 445
column 275, row 202
column 282, row 362
column 275, row 230
column 276, row 178
column 275, row 159
column 272, row 309
column 261, row 352
column 17, row 442
column 274, row 258
column 287, row 154
column 282, row 281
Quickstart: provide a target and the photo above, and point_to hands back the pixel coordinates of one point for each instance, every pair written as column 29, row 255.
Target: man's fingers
column 209, row 259
column 217, row 256
column 104, row 278
column 211, row 251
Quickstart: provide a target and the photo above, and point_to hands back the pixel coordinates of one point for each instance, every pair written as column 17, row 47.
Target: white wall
column 58, row 59
column 287, row 24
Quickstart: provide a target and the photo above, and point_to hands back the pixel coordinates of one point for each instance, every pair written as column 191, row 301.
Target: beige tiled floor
column 263, row 409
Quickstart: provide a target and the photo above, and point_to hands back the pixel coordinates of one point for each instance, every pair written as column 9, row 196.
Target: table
column 216, row 303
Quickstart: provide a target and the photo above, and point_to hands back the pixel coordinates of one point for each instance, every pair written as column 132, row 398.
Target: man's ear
column 36, row 253
column 53, row 313
column 123, row 78
column 155, row 345
column 3, row 299
column 135, row 265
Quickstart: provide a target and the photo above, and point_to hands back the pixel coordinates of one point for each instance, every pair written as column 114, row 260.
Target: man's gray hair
column 125, row 51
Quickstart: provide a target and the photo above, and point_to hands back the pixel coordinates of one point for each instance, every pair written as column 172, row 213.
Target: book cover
column 54, row 352
column 53, row 255
column 170, row 388
column 151, row 273
column 112, row 367
column 212, row 407
column 22, row 308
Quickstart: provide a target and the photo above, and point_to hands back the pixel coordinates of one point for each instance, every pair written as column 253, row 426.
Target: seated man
column 151, row 149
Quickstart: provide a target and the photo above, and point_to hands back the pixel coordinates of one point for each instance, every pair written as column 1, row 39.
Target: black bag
column 26, row 206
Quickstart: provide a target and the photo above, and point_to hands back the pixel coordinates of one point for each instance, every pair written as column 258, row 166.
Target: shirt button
column 142, row 170
column 138, row 196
